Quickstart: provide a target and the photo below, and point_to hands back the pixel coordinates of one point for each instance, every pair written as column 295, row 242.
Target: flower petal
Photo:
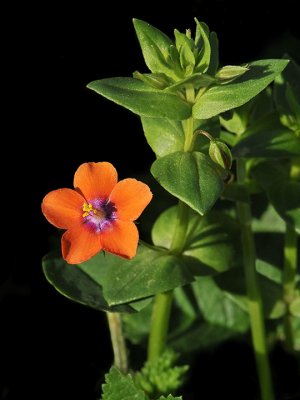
column 63, row 207
column 121, row 239
column 130, row 198
column 79, row 244
column 95, row 180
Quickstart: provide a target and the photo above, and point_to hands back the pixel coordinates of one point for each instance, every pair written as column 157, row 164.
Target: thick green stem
column 118, row 341
column 163, row 301
column 255, row 307
column 159, row 324
column 290, row 271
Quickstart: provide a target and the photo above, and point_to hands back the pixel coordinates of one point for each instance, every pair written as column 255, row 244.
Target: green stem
column 290, row 257
column 189, row 123
column 163, row 301
column 159, row 324
column 288, row 282
column 255, row 307
column 118, row 341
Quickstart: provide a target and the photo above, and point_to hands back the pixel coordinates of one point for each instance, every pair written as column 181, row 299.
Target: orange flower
column 98, row 214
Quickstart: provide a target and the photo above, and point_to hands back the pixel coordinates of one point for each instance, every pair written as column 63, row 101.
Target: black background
column 49, row 346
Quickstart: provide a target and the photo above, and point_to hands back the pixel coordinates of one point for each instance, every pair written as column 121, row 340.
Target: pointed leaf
column 155, row 47
column 141, row 98
column 203, row 44
column 191, row 177
column 221, row 98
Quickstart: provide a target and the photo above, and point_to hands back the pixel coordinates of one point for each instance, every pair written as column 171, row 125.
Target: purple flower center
column 99, row 214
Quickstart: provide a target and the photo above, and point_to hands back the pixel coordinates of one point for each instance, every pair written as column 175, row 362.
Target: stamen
column 88, row 208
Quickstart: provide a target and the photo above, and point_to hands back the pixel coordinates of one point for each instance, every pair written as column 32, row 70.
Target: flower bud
column 220, row 154
column 230, row 72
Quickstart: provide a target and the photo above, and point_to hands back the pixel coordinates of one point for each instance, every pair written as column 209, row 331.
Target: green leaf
column 269, row 221
column 221, row 98
column 151, row 271
column 211, row 239
column 294, row 307
column 203, row 44
column 201, row 336
column 119, row 386
column 155, row 47
column 164, row 136
column 185, row 47
column 282, row 193
column 161, row 376
column 72, row 282
column 287, row 96
column 276, row 143
column 170, row 397
column 141, row 98
column 217, row 308
column 232, row 284
column 255, row 116
column 106, row 280
column 192, row 177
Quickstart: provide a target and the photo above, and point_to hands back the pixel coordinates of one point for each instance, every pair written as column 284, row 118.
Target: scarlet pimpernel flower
column 98, row 214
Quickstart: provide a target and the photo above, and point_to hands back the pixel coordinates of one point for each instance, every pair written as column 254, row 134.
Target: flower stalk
column 118, row 341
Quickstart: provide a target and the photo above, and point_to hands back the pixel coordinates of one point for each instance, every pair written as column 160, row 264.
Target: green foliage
column 221, row 98
column 161, row 376
column 118, row 386
column 106, row 281
column 283, row 193
column 191, row 177
column 212, row 239
column 155, row 46
column 142, row 99
column 287, row 97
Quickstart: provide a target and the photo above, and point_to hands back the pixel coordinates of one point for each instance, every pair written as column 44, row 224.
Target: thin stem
column 253, row 293
column 189, row 123
column 118, row 341
column 290, row 257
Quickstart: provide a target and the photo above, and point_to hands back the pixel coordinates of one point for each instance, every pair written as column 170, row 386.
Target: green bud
column 220, row 154
column 230, row 72
column 158, row 81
